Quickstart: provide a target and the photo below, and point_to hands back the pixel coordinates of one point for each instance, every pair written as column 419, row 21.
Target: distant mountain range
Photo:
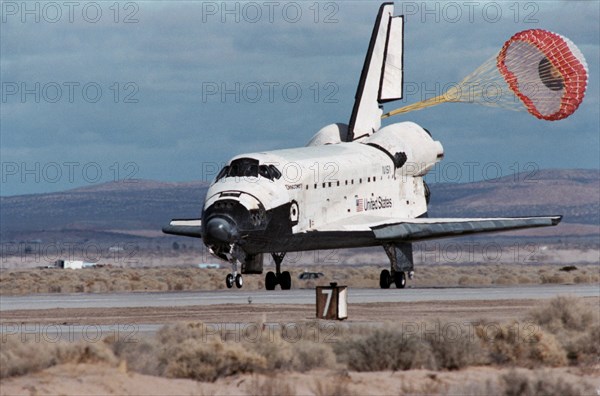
column 575, row 194
column 142, row 207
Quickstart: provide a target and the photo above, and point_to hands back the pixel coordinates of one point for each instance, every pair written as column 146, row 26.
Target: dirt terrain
column 97, row 379
column 493, row 310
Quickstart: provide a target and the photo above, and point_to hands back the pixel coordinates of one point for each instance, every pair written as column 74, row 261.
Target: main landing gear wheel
column 400, row 279
column 401, row 265
column 270, row 281
column 385, row 279
column 229, row 281
column 285, row 280
column 239, row 281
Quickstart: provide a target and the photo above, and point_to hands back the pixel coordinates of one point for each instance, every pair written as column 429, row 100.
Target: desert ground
column 515, row 346
column 511, row 347
column 104, row 379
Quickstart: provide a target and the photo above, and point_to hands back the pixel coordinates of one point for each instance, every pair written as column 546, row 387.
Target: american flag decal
column 359, row 205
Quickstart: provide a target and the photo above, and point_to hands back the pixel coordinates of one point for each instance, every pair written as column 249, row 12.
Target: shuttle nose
column 221, row 230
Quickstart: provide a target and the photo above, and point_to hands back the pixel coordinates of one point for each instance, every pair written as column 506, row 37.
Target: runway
column 278, row 297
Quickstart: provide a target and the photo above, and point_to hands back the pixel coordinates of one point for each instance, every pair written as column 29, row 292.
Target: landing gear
column 234, row 255
column 385, row 279
column 229, row 281
column 401, row 262
column 285, row 280
column 239, row 281
column 272, row 279
column 400, row 279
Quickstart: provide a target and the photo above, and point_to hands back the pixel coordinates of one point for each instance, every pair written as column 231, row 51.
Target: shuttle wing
column 184, row 227
column 409, row 230
column 405, row 230
column 426, row 228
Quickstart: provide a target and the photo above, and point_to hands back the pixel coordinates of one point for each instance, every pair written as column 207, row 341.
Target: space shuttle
column 353, row 185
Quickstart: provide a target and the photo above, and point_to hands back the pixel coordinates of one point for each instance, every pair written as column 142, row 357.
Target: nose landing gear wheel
column 385, row 279
column 229, row 281
column 400, row 279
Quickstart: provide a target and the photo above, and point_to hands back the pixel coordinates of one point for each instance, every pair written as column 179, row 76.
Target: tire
column 384, row 279
column 229, row 281
column 270, row 281
column 285, row 280
column 400, row 279
column 239, row 281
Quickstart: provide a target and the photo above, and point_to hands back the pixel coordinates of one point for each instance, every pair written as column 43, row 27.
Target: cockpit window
column 275, row 174
column 249, row 167
column 243, row 167
column 222, row 173
column 263, row 170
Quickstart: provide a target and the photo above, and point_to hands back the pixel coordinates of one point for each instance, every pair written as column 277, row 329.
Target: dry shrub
column 85, row 352
column 564, row 313
column 385, row 349
column 562, row 330
column 301, row 355
column 516, row 383
column 181, row 331
column 141, row 356
column 522, row 346
column 194, row 350
column 554, row 278
column 373, row 352
column 269, row 386
column 582, row 278
column 278, row 353
column 191, row 350
column 503, row 344
column 454, row 349
column 444, row 347
column 208, row 361
column 309, row 355
column 507, row 280
column 584, row 348
column 545, row 349
column 575, row 325
column 188, row 350
column 19, row 358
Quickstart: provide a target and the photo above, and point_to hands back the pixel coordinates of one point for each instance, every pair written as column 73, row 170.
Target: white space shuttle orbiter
column 353, row 185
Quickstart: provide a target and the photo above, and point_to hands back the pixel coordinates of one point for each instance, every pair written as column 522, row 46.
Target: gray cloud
column 176, row 50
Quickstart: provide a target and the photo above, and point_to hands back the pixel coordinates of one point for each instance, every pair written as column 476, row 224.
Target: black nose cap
column 220, row 229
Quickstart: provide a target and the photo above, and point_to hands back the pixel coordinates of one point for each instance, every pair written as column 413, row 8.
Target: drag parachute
column 536, row 70
column 552, row 64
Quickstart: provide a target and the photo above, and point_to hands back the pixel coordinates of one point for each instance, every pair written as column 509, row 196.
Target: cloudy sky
column 98, row 91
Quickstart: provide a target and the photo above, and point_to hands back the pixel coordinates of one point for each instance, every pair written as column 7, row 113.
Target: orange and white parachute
column 536, row 70
column 553, row 64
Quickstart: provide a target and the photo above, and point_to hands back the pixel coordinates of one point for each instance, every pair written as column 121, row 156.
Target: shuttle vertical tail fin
column 382, row 73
